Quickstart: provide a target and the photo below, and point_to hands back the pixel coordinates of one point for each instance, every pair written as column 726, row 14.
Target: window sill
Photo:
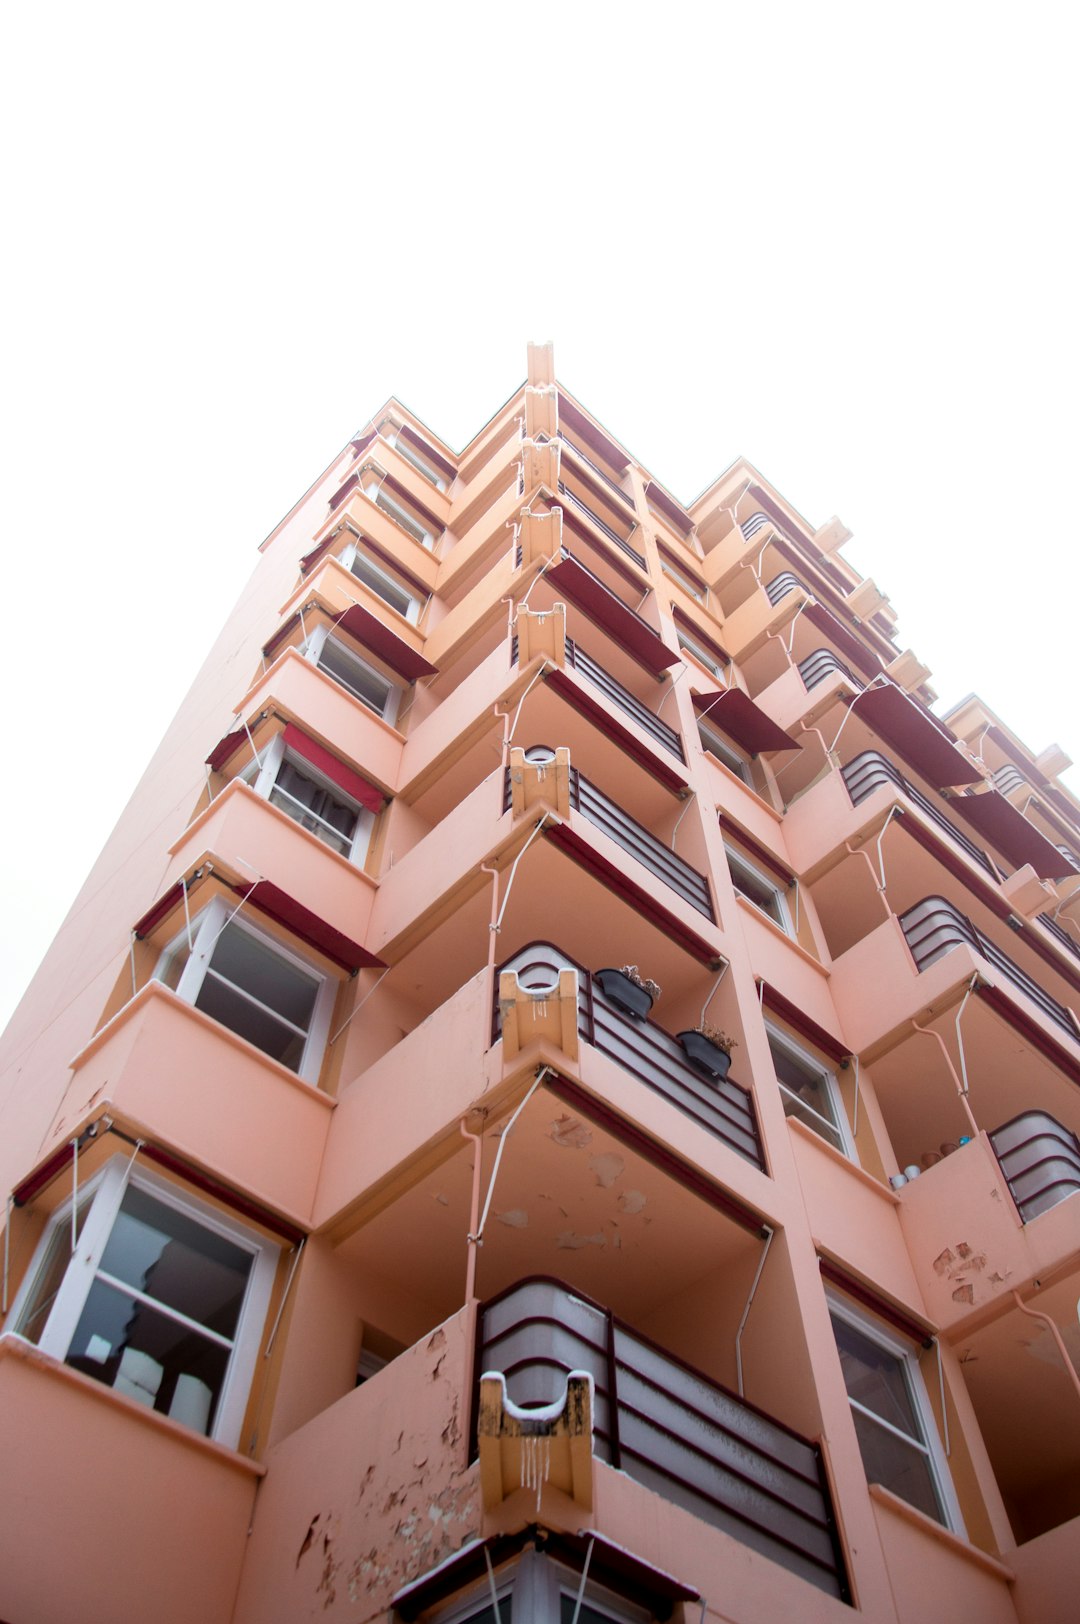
column 320, row 676
column 16, row 1347
column 748, row 789
column 867, row 1180
column 953, row 1542
column 238, row 787
column 780, row 933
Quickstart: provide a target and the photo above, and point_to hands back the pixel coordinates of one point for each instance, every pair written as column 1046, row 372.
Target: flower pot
column 705, row 1054
column 625, row 994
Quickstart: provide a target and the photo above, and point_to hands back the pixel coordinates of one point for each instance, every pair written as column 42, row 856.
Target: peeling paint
column 569, row 1241
column 571, row 1134
column 632, row 1201
column 516, row 1218
column 607, row 1169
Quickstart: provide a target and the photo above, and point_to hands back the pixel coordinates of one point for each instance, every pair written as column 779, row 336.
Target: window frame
column 715, row 743
column 352, row 553
column 313, row 649
column 371, row 482
column 701, row 655
column 928, row 1442
column 416, row 459
column 804, row 1057
column 737, row 861
column 101, row 1198
column 206, row 928
column 262, row 773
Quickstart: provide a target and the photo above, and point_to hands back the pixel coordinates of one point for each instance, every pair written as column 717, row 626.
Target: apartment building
column 559, row 1098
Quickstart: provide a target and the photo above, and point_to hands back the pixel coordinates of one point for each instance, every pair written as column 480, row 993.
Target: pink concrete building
column 378, row 1246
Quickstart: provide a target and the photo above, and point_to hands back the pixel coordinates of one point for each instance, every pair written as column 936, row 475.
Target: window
column 756, row 887
column 254, row 986
column 382, row 583
column 162, row 1298
column 693, row 589
column 361, row 680
column 298, row 789
column 373, row 486
column 892, row 1417
column 539, row 1590
column 714, row 742
column 809, row 1092
column 696, row 652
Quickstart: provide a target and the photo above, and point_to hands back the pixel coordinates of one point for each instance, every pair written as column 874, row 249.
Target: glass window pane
column 259, row 1026
column 875, row 1378
column 897, row 1465
column 150, row 1357
column 366, row 685
column 253, row 965
column 171, row 1257
column 386, row 589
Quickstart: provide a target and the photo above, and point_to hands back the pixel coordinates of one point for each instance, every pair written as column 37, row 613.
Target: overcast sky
column 839, row 239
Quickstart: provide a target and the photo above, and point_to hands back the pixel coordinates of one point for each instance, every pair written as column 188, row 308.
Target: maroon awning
column 608, row 874
column 434, row 457
column 594, row 438
column 658, row 496
column 735, row 713
column 701, row 637
column 316, row 552
column 601, row 719
column 377, row 636
column 344, row 777
column 1007, row 829
column 802, row 1024
column 924, row 742
column 225, row 748
column 271, row 900
column 627, row 628
column 351, row 484
column 846, row 641
column 362, row 441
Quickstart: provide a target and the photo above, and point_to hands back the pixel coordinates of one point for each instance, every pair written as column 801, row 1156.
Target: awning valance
column 927, row 744
column 735, row 713
column 609, row 612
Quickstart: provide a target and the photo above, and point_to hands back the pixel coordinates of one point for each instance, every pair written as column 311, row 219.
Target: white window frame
column 104, row 1194
column 205, row 930
column 696, row 652
column 380, row 580
column 313, row 650
column 406, row 449
column 737, row 862
column 371, row 483
column 713, row 741
column 674, row 573
column 928, row 1442
column 262, row 774
column 838, row 1124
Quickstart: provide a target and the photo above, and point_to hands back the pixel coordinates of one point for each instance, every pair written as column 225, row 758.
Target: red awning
column 669, row 507
column 375, row 635
column 627, row 628
column 628, row 743
column 225, row 748
column 316, row 552
column 1007, row 829
column 582, row 852
column 350, row 485
column 924, row 742
column 801, row 1023
column 434, row 457
column 271, row 900
column 851, row 646
column 338, row 773
column 735, row 713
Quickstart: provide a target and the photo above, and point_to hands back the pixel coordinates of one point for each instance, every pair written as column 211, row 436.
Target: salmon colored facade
column 378, row 1245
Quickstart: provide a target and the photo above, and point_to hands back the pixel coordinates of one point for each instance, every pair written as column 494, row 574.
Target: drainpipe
column 475, row 1237
column 1033, row 1313
column 961, row 1083
column 474, row 1212
column 767, row 1234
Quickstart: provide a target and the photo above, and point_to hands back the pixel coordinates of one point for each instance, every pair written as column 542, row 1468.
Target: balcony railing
column 668, row 1426
column 781, row 585
column 723, row 1107
column 612, row 535
column 933, row 927
column 1009, row 778
column 634, row 838
column 751, row 526
column 1040, row 1160
column 626, row 701
column 866, row 772
column 822, row 664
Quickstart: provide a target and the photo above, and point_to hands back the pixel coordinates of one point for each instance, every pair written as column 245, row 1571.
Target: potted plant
column 709, row 1048
column 629, row 990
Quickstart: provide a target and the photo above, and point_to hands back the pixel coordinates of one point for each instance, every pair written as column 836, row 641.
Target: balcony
column 645, row 1050
column 823, row 663
column 1040, row 1159
column 595, row 468
column 933, row 927
column 605, row 529
column 869, row 770
column 668, row 1426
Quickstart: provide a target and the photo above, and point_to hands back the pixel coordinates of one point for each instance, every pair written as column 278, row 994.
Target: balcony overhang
column 573, row 693
column 594, row 438
column 676, row 516
column 923, row 741
column 623, row 624
column 736, row 714
column 1010, row 832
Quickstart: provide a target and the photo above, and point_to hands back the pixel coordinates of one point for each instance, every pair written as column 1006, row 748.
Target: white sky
column 837, row 238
